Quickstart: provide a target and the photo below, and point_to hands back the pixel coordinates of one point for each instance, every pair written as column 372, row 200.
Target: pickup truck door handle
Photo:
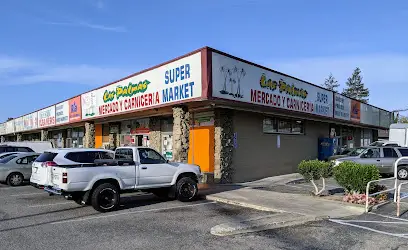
column 144, row 167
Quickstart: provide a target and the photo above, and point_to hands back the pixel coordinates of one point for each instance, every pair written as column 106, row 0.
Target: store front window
column 135, row 132
column 75, row 137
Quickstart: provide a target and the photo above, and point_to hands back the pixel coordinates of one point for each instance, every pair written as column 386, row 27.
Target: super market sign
column 176, row 81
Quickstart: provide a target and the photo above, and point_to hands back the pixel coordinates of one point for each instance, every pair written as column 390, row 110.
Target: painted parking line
column 26, row 194
column 52, row 204
column 342, row 222
column 132, row 212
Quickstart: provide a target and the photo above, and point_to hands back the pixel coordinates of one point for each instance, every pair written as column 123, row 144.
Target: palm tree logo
column 232, row 77
column 225, row 73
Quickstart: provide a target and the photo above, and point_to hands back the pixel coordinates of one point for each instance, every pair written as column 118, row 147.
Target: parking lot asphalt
column 31, row 219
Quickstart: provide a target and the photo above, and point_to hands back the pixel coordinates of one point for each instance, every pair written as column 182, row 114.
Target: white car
column 133, row 169
column 65, row 157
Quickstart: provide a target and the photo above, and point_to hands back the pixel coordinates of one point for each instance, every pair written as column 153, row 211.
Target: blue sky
column 53, row 50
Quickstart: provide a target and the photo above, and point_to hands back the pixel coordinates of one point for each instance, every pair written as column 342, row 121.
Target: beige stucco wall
column 257, row 155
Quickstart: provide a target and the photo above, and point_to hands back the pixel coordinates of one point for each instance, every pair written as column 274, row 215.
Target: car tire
column 105, row 197
column 186, row 189
column 402, row 173
column 15, row 179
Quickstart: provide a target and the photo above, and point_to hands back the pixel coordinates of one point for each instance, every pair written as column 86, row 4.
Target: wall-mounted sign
column 173, row 82
column 342, row 106
column 62, row 113
column 10, row 127
column 18, row 124
column 385, row 119
column 239, row 81
column 355, row 111
column 75, row 109
column 2, row 128
column 46, row 117
column 370, row 115
column 30, row 121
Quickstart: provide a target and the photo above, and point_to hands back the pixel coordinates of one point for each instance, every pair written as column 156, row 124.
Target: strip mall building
column 239, row 121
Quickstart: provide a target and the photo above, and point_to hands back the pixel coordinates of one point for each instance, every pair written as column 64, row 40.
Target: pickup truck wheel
column 402, row 173
column 186, row 189
column 15, row 179
column 105, row 197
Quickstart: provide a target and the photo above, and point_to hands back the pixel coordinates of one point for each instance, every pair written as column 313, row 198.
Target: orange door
column 201, row 150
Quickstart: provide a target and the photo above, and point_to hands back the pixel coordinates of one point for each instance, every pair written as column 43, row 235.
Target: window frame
column 275, row 125
column 392, row 150
column 162, row 159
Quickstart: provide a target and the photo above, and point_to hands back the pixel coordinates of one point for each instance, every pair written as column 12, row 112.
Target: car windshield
column 7, row 159
column 356, row 152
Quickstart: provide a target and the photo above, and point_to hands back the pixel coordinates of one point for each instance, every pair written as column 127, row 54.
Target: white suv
column 64, row 157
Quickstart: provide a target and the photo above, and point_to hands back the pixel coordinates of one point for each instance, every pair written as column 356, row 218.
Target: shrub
column 353, row 177
column 313, row 170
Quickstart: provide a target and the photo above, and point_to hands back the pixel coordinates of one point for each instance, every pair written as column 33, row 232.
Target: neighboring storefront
column 239, row 121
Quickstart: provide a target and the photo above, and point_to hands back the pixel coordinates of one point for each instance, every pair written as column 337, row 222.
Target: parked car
column 67, row 157
column 16, row 168
column 382, row 157
column 384, row 144
column 4, row 155
column 34, row 146
column 133, row 169
column 9, row 148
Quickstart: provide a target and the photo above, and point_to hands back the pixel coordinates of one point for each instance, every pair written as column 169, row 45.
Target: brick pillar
column 181, row 133
column 2, row 139
column 89, row 137
column 44, row 135
column 155, row 134
column 223, row 146
column 19, row 137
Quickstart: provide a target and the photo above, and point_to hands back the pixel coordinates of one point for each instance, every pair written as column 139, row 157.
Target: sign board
column 62, row 113
column 173, row 82
column 30, row 121
column 18, row 124
column 355, row 111
column 375, row 117
column 2, row 128
column 370, row 115
column 385, row 119
column 342, row 107
column 239, row 81
column 46, row 117
column 75, row 110
column 10, row 127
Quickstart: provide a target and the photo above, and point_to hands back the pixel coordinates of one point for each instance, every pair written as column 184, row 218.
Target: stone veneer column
column 223, row 146
column 181, row 133
column 19, row 137
column 89, row 137
column 155, row 133
column 44, row 135
column 2, row 139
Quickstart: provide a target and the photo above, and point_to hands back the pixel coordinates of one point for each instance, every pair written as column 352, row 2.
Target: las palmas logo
column 232, row 81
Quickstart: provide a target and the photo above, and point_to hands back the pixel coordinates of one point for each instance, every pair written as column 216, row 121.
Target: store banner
column 342, row 106
column 239, row 81
column 174, row 82
column 46, row 117
column 355, row 111
column 62, row 113
column 376, row 116
column 30, row 121
column 2, row 128
column 370, row 115
column 10, row 127
column 75, row 110
column 385, row 119
column 18, row 124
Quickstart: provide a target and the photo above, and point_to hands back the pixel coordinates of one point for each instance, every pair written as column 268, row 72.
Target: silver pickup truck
column 133, row 169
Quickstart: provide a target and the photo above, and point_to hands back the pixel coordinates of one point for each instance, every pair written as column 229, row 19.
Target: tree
column 331, row 83
column 355, row 87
